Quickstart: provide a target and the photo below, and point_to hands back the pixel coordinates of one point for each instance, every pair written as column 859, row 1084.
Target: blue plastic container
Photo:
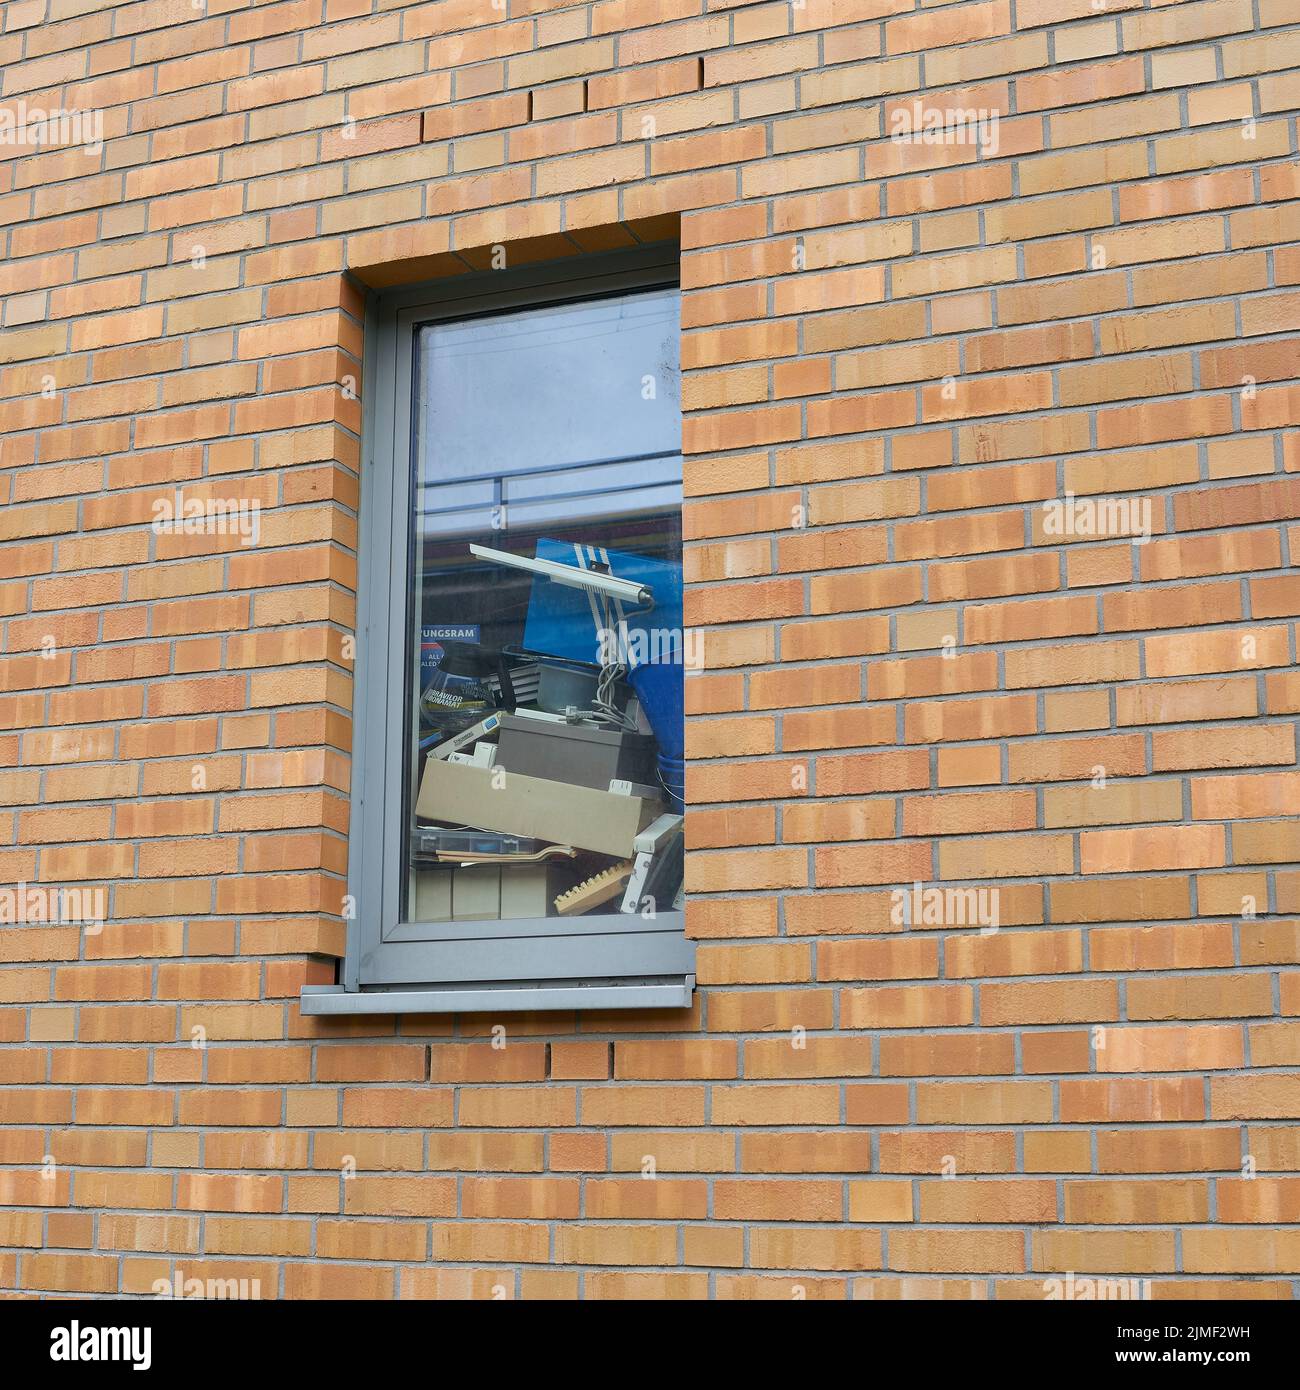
column 659, row 687
column 673, row 772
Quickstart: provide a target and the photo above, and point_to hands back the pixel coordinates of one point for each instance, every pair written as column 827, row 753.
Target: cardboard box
column 475, row 893
column 557, row 812
column 430, row 896
column 489, row 892
column 528, row 890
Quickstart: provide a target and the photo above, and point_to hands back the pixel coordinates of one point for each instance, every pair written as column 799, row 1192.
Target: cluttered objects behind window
column 546, row 652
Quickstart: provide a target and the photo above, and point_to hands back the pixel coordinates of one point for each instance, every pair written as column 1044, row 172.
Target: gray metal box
column 576, row 753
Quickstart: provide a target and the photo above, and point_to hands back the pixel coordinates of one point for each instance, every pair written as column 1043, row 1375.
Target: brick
column 1124, row 1252
column 941, row 1251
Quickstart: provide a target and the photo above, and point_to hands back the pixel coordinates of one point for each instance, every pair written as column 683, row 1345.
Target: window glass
column 545, row 653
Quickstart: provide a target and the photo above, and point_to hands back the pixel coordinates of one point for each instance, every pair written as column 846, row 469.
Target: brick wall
column 901, row 355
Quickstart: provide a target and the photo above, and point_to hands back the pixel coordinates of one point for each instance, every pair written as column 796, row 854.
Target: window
column 517, row 818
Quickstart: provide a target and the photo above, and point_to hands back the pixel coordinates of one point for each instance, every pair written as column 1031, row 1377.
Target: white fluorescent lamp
column 570, row 575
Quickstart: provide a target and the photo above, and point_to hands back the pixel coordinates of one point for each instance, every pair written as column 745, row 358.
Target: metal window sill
column 324, row 1000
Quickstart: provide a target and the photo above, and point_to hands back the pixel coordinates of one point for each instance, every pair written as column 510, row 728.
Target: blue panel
column 583, row 626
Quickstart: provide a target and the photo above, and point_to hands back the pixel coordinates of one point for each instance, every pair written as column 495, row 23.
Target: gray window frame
column 606, row 961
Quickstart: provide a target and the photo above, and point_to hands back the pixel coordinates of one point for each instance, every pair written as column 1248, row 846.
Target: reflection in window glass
column 546, row 655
